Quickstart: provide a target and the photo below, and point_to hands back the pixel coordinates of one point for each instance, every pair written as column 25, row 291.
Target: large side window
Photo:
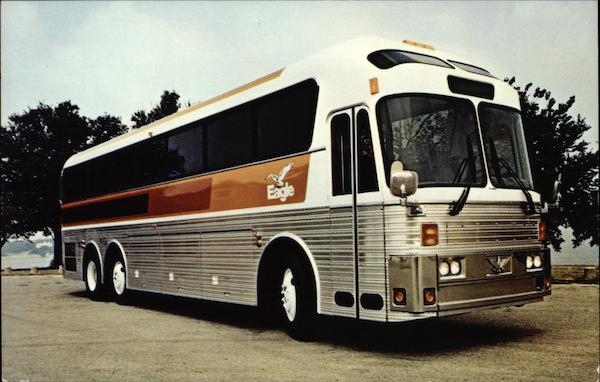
column 367, row 177
column 340, row 155
column 149, row 163
column 184, row 153
column 74, row 183
column 229, row 139
column 285, row 121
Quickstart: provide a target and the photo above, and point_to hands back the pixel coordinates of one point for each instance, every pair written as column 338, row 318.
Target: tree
column 33, row 150
column 169, row 104
column 555, row 145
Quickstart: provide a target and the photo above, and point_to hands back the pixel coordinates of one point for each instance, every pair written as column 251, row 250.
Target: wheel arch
column 292, row 240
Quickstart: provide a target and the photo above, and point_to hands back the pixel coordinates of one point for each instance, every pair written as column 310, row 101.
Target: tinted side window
column 340, row 155
column 184, row 155
column 74, row 183
column 367, row 178
column 118, row 170
column 285, row 121
column 149, row 164
column 229, row 140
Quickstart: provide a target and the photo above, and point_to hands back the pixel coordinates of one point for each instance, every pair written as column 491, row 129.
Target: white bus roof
column 345, row 59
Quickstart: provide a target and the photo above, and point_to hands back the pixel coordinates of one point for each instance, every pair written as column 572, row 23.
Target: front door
column 357, row 256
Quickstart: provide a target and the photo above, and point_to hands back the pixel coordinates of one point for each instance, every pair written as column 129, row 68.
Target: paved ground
column 52, row 332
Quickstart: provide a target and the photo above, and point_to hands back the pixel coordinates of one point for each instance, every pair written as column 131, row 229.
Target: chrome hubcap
column 118, row 277
column 288, row 294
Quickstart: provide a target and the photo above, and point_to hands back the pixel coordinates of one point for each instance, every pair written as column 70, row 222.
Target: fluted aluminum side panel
column 342, row 261
column 196, row 250
column 180, row 263
column 229, row 266
column 143, row 255
column 372, row 265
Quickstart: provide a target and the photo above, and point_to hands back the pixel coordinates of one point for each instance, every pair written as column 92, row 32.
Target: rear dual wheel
column 92, row 277
column 116, row 280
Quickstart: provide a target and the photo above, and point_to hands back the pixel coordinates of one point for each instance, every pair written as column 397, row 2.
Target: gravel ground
column 52, row 332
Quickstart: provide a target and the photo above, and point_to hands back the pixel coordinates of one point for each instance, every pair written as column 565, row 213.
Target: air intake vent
column 470, row 87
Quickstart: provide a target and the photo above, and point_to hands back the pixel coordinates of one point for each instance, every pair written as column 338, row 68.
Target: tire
column 298, row 299
column 116, row 277
column 92, row 277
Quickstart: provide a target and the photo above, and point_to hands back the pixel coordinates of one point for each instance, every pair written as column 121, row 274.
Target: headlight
column 444, row 268
column 529, row 262
column 455, row 267
column 537, row 261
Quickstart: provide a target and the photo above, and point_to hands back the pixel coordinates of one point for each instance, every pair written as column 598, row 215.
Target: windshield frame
column 494, row 183
column 471, row 106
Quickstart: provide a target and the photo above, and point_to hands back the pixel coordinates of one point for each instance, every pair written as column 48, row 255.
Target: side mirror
column 403, row 182
column 556, row 196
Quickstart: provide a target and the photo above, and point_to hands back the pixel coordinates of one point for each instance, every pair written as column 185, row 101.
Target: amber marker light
column 374, row 85
column 399, row 296
column 418, row 44
column 429, row 296
column 547, row 282
column 429, row 234
column 541, row 231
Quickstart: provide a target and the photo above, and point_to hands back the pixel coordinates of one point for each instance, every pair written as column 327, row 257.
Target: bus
column 377, row 180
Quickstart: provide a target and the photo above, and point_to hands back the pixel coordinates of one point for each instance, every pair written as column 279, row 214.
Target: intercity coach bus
column 377, row 180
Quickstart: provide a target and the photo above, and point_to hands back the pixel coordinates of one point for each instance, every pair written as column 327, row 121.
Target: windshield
column 504, row 141
column 435, row 136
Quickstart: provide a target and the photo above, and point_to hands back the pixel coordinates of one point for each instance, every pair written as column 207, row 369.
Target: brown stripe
column 245, row 187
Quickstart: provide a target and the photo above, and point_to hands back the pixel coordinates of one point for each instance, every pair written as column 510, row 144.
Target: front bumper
column 478, row 287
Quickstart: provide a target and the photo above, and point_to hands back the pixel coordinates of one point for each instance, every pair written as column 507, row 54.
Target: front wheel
column 298, row 300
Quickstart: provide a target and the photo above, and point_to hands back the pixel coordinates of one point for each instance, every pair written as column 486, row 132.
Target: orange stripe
column 240, row 188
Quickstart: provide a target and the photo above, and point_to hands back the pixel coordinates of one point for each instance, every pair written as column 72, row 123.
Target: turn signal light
column 429, row 234
column 541, row 231
column 429, row 296
column 547, row 282
column 400, row 296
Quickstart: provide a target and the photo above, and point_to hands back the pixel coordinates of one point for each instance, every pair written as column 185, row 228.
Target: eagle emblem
column 499, row 263
column 279, row 179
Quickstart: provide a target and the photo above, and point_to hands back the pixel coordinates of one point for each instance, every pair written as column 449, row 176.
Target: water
column 569, row 256
column 26, row 261
column 38, row 251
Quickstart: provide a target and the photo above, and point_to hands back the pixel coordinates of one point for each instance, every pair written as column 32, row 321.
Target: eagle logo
column 498, row 263
column 280, row 178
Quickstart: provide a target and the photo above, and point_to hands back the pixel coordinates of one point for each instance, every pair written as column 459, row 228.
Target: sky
column 118, row 57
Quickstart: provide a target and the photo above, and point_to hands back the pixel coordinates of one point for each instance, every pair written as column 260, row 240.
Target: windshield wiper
column 496, row 162
column 468, row 164
column 530, row 209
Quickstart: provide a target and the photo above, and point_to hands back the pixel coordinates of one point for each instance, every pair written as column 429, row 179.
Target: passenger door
column 357, row 245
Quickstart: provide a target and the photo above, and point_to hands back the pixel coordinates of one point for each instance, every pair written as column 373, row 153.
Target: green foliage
column 169, row 104
column 555, row 145
column 34, row 147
